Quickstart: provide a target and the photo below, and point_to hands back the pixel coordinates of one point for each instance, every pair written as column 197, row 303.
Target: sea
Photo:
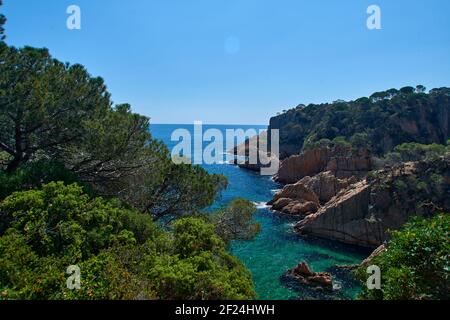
column 277, row 247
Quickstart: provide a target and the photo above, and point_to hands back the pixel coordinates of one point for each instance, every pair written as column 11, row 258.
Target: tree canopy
column 235, row 222
column 81, row 183
column 58, row 112
column 379, row 122
column 121, row 253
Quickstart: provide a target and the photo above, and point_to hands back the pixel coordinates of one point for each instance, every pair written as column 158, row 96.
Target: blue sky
column 240, row 61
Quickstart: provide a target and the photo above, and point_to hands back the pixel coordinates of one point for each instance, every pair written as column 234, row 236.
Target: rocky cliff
column 345, row 218
column 363, row 213
column 254, row 147
column 307, row 195
column 342, row 162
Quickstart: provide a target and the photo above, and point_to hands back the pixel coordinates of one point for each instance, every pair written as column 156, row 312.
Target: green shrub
column 122, row 254
column 416, row 264
column 62, row 220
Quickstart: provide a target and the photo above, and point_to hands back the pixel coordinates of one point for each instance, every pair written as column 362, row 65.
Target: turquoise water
column 276, row 248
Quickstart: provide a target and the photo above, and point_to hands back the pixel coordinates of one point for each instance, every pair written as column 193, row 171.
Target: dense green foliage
column 420, row 188
column 81, row 183
column 380, row 122
column 415, row 152
column 416, row 264
column 122, row 254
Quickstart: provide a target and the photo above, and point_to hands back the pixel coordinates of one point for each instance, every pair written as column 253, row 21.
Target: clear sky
column 240, row 61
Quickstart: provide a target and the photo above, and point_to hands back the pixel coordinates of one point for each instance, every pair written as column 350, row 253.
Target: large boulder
column 295, row 199
column 326, row 185
column 305, row 196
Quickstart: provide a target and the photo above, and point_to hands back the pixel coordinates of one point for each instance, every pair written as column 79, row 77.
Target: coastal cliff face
column 363, row 213
column 341, row 161
column 353, row 203
column 256, row 145
column 345, row 218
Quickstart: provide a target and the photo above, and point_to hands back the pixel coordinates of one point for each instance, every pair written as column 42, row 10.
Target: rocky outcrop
column 295, row 199
column 326, row 185
column 306, row 196
column 308, row 163
column 363, row 213
column 342, row 162
column 254, row 143
column 345, row 218
column 257, row 148
column 303, row 274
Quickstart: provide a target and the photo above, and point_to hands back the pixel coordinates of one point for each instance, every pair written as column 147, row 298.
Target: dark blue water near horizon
column 276, row 248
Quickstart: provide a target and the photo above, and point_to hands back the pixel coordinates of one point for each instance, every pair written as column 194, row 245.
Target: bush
column 122, row 254
column 415, row 265
column 61, row 220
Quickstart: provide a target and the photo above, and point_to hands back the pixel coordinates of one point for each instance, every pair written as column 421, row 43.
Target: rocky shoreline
column 360, row 209
column 335, row 194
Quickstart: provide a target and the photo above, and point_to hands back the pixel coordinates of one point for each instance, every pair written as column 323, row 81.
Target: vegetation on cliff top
column 379, row 122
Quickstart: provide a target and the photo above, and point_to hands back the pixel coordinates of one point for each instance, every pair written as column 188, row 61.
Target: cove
column 276, row 248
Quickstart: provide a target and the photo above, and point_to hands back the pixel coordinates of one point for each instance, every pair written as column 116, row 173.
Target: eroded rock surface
column 363, row 213
column 295, row 199
column 342, row 162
